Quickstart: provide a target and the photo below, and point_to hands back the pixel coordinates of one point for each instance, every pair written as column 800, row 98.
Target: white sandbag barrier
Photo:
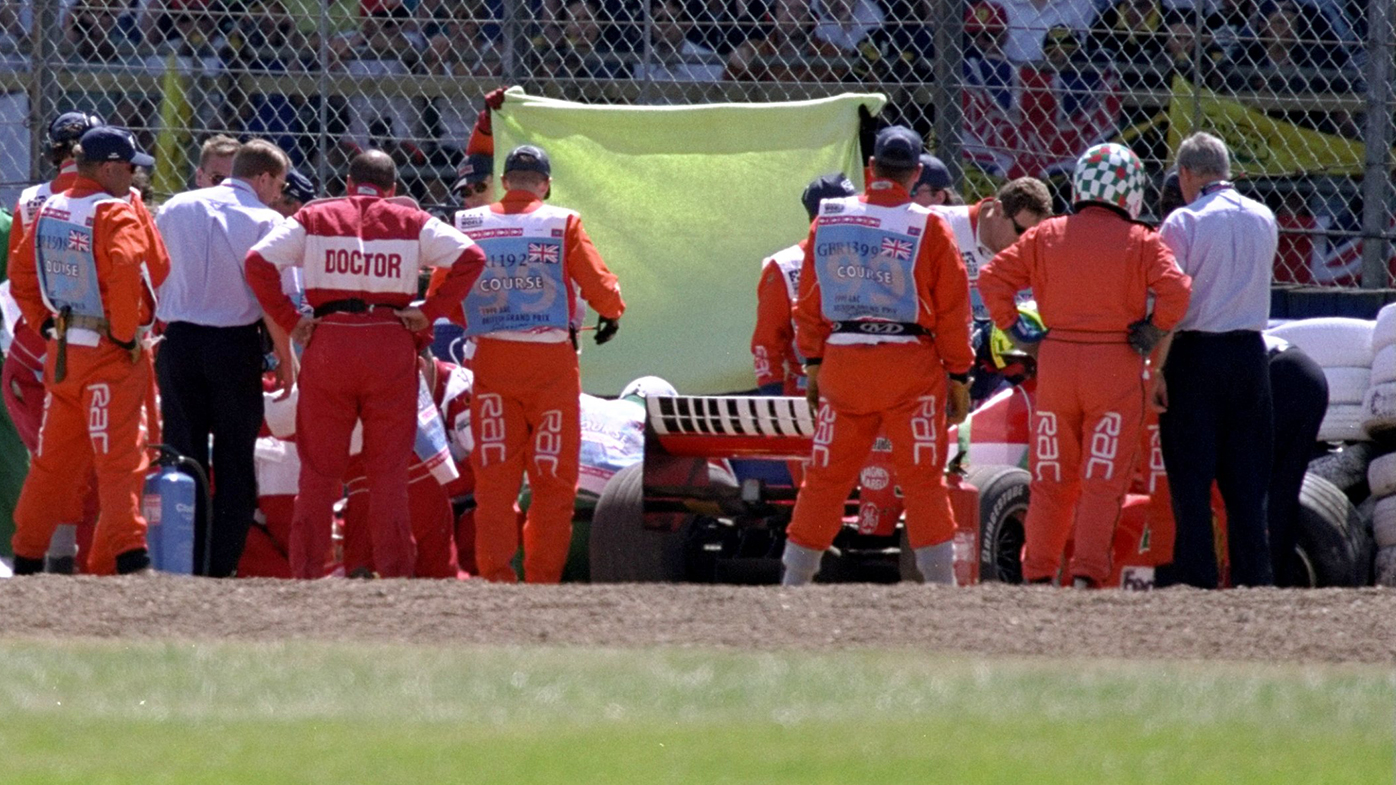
column 1343, row 347
column 1380, row 400
column 1343, row 423
column 1332, row 341
column 1347, row 386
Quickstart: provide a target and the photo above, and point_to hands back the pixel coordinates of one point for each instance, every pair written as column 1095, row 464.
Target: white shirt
column 1227, row 243
column 866, row 17
column 208, row 232
column 1027, row 24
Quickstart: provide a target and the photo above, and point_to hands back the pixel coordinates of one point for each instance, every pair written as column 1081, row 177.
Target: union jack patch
column 542, row 253
column 79, row 241
column 897, row 249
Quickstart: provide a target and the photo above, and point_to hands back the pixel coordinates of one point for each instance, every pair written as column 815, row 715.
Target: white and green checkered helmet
column 1110, row 174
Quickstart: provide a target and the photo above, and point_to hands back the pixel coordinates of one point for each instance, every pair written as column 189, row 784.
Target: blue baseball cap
column 109, row 143
column 828, row 186
column 298, row 186
column 70, row 126
column 933, row 173
column 474, row 169
column 528, row 158
column 898, row 147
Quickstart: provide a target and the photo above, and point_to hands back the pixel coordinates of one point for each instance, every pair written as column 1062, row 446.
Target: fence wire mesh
column 1300, row 89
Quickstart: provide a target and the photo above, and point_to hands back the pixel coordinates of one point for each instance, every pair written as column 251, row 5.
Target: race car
column 683, row 515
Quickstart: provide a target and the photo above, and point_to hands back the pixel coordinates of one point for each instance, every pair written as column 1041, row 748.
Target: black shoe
column 61, row 565
column 25, row 566
column 134, row 560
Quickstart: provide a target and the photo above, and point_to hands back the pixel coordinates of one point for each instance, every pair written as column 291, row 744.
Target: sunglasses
column 217, row 179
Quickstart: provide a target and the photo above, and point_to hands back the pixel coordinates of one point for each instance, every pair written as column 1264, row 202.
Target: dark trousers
column 1299, row 412
column 1218, row 428
column 211, row 384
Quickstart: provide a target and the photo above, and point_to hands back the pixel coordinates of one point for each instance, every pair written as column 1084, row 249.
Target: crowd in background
column 1279, row 46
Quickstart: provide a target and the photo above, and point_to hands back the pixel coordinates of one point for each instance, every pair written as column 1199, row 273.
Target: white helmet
column 649, row 386
column 1110, row 174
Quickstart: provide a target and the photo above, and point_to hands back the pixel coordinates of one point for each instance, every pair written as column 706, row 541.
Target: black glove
column 606, row 329
column 1144, row 336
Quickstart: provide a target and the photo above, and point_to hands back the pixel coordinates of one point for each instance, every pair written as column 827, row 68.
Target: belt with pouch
column 350, row 305
column 875, row 328
column 65, row 321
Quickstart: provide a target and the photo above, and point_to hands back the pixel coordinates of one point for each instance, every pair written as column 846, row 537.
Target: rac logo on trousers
column 355, row 262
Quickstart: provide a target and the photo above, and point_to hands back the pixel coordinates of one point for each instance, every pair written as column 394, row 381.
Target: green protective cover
column 14, row 459
column 683, row 203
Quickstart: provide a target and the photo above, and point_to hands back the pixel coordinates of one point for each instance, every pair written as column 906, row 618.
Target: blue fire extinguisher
column 168, row 506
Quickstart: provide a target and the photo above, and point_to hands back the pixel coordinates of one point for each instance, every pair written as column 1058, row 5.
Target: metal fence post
column 1376, row 174
column 949, row 71
column 322, row 139
column 43, row 84
column 511, row 31
column 647, row 55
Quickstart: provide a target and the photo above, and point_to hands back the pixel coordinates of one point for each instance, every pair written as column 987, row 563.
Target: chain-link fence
column 1300, row 89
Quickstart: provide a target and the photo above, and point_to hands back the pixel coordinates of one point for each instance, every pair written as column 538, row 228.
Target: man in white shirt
column 210, row 363
column 1215, row 387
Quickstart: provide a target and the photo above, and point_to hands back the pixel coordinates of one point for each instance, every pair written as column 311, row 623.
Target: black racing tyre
column 1364, row 545
column 1346, row 468
column 1003, row 506
column 1326, row 522
column 621, row 549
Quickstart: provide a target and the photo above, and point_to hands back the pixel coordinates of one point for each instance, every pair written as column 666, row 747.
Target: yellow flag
column 172, row 145
column 1261, row 146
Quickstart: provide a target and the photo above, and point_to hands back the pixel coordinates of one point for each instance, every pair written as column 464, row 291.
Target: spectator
column 724, row 25
column 1029, row 20
column 986, row 66
column 210, row 362
column 265, row 39
column 1078, row 83
column 189, row 27
column 1129, row 35
column 1294, row 51
column 215, row 160
column 451, row 34
column 1214, row 392
column 672, row 57
column 101, row 30
column 1230, row 25
column 1180, row 45
column 841, row 26
column 574, row 46
column 386, row 122
column 901, row 50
